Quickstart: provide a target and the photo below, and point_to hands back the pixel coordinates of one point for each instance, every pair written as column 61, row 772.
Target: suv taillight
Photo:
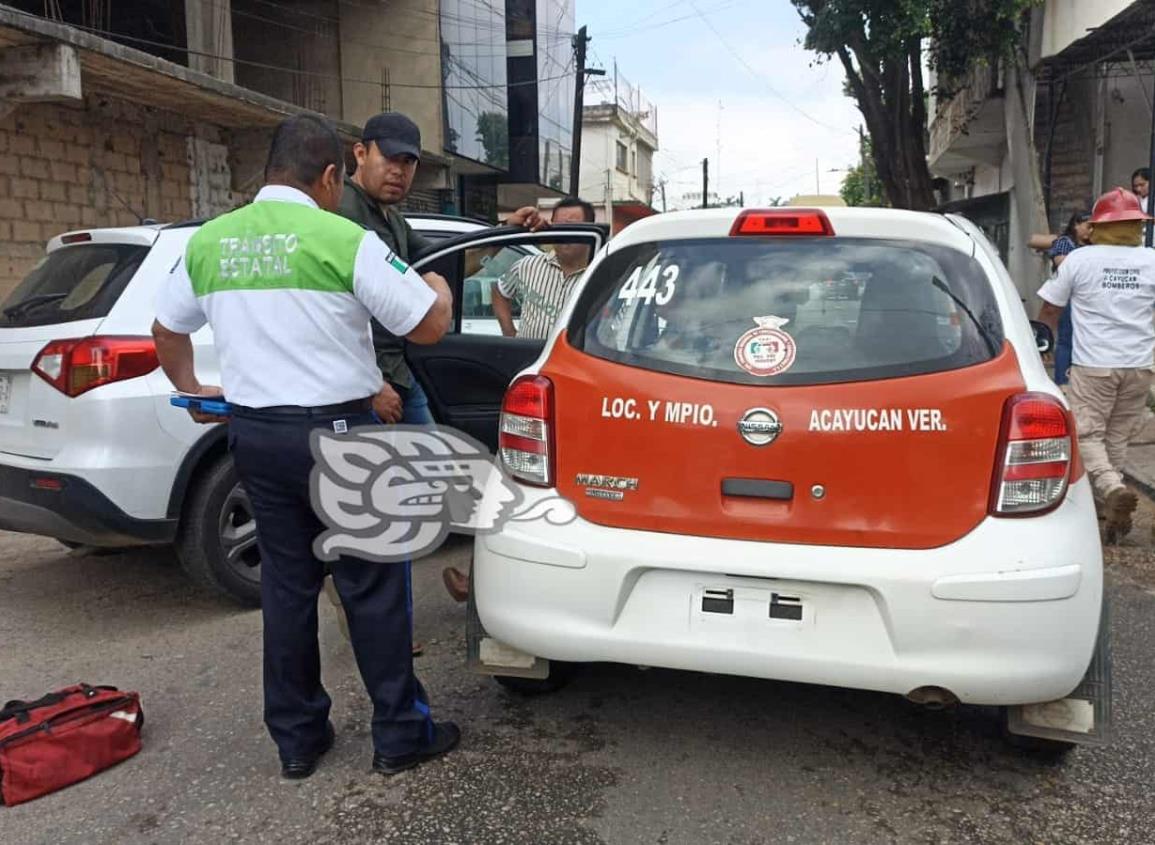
column 526, row 434
column 1035, row 457
column 80, row 364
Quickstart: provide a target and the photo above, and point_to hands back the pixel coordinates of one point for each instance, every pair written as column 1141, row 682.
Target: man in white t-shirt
column 1110, row 287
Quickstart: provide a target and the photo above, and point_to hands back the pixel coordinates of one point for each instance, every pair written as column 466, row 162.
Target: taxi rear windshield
column 813, row 311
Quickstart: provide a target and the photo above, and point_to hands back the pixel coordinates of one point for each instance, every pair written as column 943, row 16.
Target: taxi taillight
column 782, row 221
column 1035, row 456
column 525, row 438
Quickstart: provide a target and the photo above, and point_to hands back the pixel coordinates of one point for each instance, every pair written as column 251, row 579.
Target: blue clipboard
column 215, row 405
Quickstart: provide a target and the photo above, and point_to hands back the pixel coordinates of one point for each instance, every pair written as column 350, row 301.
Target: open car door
column 466, row 374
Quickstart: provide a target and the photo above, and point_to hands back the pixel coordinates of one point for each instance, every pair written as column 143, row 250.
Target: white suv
column 93, row 453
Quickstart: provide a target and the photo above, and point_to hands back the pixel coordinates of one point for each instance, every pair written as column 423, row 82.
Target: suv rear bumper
column 1006, row 615
column 77, row 512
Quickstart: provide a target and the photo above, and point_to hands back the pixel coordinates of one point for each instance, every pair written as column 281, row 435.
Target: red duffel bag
column 65, row 737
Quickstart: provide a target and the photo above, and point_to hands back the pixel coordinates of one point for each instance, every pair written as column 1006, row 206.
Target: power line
column 266, row 66
column 439, row 15
column 614, row 35
column 758, row 75
column 650, row 15
column 336, row 36
column 442, row 16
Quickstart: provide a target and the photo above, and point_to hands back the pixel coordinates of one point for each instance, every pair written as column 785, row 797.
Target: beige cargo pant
column 1108, row 405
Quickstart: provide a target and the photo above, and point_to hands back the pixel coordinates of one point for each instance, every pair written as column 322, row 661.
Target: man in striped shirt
column 542, row 283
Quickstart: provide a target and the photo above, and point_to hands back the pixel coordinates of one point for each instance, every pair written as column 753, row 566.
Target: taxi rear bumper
column 1006, row 615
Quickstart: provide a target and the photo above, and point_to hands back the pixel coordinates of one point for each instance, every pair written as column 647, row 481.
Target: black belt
column 356, row 406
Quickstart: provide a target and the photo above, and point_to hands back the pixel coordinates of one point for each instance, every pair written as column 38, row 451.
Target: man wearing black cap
column 387, row 158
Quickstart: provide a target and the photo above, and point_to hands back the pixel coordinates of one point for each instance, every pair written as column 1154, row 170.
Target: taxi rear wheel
column 560, row 674
column 217, row 540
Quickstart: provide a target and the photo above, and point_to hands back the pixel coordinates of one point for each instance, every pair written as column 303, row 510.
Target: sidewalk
column 1140, row 465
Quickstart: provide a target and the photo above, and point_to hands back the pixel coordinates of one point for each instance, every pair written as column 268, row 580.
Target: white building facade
column 1025, row 144
column 619, row 139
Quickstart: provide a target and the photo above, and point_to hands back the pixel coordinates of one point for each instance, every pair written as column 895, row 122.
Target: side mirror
column 1044, row 337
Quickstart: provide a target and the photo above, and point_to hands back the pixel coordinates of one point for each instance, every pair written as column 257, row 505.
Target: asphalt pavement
column 621, row 755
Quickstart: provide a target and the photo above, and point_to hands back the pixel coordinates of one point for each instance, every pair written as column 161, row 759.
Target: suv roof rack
column 200, row 221
column 434, row 216
column 187, row 224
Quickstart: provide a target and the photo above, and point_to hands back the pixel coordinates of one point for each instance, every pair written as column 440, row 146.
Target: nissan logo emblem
column 759, row 426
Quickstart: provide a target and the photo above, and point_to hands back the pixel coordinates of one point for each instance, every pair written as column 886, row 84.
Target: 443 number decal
column 645, row 287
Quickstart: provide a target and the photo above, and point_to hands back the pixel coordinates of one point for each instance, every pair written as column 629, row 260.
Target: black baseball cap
column 394, row 133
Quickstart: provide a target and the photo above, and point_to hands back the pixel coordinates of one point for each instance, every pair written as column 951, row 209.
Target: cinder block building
column 163, row 109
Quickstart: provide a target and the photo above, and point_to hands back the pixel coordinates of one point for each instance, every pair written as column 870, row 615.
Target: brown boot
column 1120, row 504
column 456, row 582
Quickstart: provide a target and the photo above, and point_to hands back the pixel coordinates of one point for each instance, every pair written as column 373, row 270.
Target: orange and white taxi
column 879, row 490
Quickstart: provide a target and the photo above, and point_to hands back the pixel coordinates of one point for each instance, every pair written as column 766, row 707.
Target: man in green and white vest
column 289, row 288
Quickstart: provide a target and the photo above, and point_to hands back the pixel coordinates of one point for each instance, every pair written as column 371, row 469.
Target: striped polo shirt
column 542, row 288
column 288, row 290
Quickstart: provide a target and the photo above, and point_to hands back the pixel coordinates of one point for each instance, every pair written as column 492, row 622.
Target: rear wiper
column 31, row 302
column 983, row 330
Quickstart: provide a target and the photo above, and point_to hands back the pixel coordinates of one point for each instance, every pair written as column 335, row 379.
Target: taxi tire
column 560, row 674
column 199, row 543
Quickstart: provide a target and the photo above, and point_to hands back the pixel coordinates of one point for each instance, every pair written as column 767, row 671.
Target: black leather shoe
column 301, row 767
column 446, row 735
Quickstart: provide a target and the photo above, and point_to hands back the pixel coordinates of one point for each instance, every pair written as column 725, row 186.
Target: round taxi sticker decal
column 766, row 350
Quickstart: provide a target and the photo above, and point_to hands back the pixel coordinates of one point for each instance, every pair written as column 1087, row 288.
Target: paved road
column 620, row 756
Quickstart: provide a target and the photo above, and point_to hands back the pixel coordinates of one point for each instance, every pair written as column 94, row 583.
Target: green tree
column 879, row 44
column 493, row 133
column 861, row 185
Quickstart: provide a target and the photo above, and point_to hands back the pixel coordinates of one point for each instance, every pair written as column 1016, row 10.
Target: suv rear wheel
column 217, row 540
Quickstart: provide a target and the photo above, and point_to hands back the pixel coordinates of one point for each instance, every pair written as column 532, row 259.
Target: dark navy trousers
column 273, row 460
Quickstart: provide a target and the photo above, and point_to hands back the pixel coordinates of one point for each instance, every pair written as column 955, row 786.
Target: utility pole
column 662, row 185
column 741, row 199
column 609, row 198
column 579, row 45
column 718, row 154
column 862, row 166
column 705, row 182
column 817, row 183
column 1150, row 238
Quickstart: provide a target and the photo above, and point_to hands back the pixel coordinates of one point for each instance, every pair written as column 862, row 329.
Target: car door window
column 492, row 264
column 476, row 263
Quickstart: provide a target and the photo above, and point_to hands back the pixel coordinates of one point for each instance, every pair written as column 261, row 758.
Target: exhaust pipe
column 933, row 698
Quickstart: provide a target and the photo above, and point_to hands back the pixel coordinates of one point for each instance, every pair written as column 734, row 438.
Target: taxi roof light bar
column 775, row 222
column 1036, row 457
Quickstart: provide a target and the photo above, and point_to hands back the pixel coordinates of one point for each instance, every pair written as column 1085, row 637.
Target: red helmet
column 1117, row 206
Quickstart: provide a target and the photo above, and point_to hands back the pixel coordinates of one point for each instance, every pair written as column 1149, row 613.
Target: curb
column 1144, row 487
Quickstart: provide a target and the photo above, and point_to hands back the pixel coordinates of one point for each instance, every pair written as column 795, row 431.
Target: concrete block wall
column 102, row 163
